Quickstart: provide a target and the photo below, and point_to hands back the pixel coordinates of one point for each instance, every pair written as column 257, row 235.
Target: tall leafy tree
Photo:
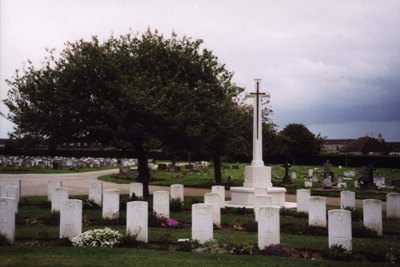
column 129, row 92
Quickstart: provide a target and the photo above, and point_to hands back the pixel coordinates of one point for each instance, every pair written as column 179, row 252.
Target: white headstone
column 137, row 220
column 307, row 184
column 51, row 186
column 372, row 215
column 214, row 200
column 347, row 199
column 220, row 190
column 16, row 183
column 379, row 181
column 161, row 203
column 261, row 200
column 177, row 191
column 7, row 218
column 11, row 191
column 70, row 218
column 57, row 196
column 96, row 192
column 202, row 222
column 317, row 211
column 310, row 172
column 302, row 196
column 110, row 203
column 339, row 228
column 137, row 189
column 268, row 227
column 294, row 175
column 393, row 206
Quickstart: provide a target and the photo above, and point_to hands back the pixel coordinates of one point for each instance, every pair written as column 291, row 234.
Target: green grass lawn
column 37, row 244
column 23, row 170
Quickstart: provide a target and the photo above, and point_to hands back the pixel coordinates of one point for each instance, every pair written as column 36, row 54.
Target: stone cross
column 257, row 124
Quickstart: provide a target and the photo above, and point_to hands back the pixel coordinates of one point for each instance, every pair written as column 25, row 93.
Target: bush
column 187, row 245
column 98, row 238
column 356, row 215
column 53, row 218
column 212, row 246
column 279, row 250
column 359, row 230
column 176, row 204
column 129, row 241
column 89, row 204
column 3, row 241
column 133, row 197
column 156, row 220
column 338, row 252
column 243, row 249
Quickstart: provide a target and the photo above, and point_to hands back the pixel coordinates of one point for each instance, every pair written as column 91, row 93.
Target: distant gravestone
column 137, row 189
column 302, row 199
column 327, row 183
column 177, row 192
column 294, row 175
column 70, row 218
column 261, row 200
column 347, row 199
column 57, row 196
column 202, row 223
column 110, row 204
column 314, row 177
column 220, row 190
column 137, row 220
column 51, row 186
column 13, row 182
column 339, row 229
column 268, row 227
column 308, row 184
column 372, row 215
column 161, row 203
column 310, row 173
column 7, row 218
column 213, row 199
column 317, row 211
column 393, row 206
column 96, row 192
column 379, row 181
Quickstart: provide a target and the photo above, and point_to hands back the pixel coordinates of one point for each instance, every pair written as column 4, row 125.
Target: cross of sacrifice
column 257, row 123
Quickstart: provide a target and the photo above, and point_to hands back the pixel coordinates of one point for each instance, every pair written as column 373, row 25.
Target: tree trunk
column 217, row 169
column 143, row 169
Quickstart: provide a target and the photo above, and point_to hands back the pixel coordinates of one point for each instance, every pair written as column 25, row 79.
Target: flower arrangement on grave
column 172, row 223
column 98, row 238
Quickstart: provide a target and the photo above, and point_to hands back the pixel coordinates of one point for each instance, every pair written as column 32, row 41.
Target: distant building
column 334, row 145
column 367, row 146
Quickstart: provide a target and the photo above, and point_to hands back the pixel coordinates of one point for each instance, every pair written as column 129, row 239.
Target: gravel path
column 78, row 183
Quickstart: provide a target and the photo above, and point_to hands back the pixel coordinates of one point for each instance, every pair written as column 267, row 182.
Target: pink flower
column 171, row 222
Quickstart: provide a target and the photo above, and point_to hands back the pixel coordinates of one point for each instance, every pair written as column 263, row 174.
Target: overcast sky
column 332, row 65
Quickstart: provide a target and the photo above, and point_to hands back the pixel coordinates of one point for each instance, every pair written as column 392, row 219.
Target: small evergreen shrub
column 338, row 252
column 176, row 204
column 89, row 204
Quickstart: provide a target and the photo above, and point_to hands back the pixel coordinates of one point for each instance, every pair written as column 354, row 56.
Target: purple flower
column 171, row 222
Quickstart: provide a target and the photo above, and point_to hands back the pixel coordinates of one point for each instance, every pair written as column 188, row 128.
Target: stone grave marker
column 51, row 186
column 339, row 229
column 308, row 184
column 310, row 173
column 57, row 196
column 177, row 192
column 214, row 200
column 137, row 189
column 202, row 223
column 161, row 203
column 16, row 183
column 302, row 198
column 268, row 227
column 379, row 181
column 7, row 218
column 96, row 192
column 347, row 199
column 393, row 206
column 11, row 191
column 70, row 218
column 314, row 177
column 261, row 200
column 372, row 215
column 137, row 220
column 110, row 204
column 317, row 211
column 294, row 175
column 220, row 190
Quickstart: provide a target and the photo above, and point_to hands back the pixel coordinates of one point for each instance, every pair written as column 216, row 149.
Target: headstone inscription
column 393, row 206
column 137, row 220
column 110, row 204
column 7, row 218
column 372, row 215
column 339, row 229
column 202, row 223
column 268, row 227
column 70, row 218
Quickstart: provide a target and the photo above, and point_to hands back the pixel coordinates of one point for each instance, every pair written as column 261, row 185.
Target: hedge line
column 319, row 160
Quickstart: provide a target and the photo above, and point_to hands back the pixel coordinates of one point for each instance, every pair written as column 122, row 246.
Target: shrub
column 133, row 197
column 89, row 204
column 53, row 218
column 279, row 250
column 359, row 230
column 3, row 241
column 156, row 220
column 128, row 241
column 212, row 246
column 243, row 249
column 98, row 238
column 187, row 245
column 338, row 252
column 176, row 204
column 356, row 215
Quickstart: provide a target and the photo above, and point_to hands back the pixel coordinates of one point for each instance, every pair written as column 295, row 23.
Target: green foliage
column 176, row 204
column 188, row 245
column 133, row 197
column 279, row 250
column 128, row 241
column 156, row 220
column 3, row 241
column 356, row 215
column 53, row 218
column 89, row 204
column 359, row 230
column 337, row 252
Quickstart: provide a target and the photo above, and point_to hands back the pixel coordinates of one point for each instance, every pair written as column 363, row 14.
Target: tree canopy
column 134, row 91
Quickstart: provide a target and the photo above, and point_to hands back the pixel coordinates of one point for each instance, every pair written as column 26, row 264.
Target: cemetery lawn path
column 78, row 183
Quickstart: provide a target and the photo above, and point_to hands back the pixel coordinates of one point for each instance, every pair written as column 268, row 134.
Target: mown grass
column 37, row 170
